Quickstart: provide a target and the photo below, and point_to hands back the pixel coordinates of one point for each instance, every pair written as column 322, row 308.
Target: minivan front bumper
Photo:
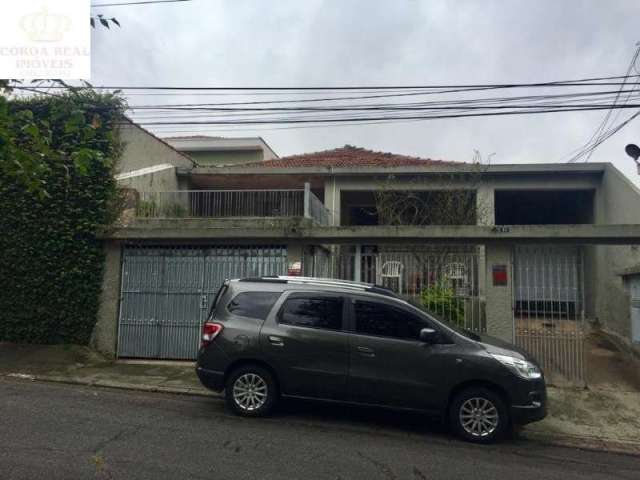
column 534, row 406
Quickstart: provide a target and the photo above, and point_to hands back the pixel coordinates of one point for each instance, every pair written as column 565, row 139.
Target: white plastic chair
column 456, row 274
column 392, row 269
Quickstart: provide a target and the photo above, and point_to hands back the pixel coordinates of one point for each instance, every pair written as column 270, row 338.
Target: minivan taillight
column 210, row 330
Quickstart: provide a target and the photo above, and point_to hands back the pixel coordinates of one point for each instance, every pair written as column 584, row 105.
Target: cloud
column 365, row 42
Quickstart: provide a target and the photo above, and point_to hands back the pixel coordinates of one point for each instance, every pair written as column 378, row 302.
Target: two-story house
column 526, row 252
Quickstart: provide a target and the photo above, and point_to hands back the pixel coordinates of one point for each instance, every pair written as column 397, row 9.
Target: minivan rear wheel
column 479, row 415
column 251, row 391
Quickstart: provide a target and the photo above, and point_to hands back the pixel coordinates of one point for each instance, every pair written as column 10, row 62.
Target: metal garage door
column 166, row 293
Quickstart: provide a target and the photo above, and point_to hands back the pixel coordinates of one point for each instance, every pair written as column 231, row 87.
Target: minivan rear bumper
column 211, row 379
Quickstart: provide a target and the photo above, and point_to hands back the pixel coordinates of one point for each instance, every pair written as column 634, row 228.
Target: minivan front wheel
column 479, row 415
column 251, row 391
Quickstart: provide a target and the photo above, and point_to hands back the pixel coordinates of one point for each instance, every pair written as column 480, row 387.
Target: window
column 313, row 312
column 253, row 304
column 221, row 291
column 386, row 321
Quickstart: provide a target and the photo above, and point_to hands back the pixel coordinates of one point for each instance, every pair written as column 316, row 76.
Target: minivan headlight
column 521, row 367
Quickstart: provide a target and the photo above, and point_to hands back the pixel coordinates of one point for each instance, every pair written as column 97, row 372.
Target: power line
column 242, row 115
column 298, row 113
column 392, row 107
column 212, row 117
column 594, row 141
column 381, row 118
column 567, row 101
column 148, row 2
column 198, row 106
column 563, row 83
column 611, row 132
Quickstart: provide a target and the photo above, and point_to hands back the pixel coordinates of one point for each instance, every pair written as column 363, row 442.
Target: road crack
column 122, row 434
column 417, row 473
column 383, row 468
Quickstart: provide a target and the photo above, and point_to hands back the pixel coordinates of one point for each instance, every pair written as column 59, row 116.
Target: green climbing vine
column 57, row 191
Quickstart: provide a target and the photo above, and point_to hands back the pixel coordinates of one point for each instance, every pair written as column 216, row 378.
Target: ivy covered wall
column 57, row 190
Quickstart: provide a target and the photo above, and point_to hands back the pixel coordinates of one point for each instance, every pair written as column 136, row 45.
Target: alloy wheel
column 250, row 392
column 479, row 417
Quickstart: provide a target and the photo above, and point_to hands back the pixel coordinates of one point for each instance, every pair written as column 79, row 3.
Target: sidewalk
column 81, row 365
column 602, row 418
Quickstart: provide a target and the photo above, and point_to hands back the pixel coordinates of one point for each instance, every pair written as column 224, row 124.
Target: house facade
column 530, row 253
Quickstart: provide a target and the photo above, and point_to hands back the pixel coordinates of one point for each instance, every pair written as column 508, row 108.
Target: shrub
column 174, row 210
column 146, row 209
column 441, row 300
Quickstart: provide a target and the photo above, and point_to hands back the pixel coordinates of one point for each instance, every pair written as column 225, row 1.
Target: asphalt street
column 54, row 431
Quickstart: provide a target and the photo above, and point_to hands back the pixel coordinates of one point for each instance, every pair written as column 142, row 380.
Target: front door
column 308, row 346
column 388, row 364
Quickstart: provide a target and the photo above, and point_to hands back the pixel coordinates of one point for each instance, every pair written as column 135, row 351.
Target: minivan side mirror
column 429, row 335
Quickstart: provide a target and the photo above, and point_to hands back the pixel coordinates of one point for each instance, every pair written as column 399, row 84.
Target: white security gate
column 166, row 293
column 549, row 309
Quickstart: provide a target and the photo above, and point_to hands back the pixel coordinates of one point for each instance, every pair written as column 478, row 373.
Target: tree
column 450, row 199
column 443, row 278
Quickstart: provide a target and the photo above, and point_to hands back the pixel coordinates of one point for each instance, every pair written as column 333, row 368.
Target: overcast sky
column 385, row 42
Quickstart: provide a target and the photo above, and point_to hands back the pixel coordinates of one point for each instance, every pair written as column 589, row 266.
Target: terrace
column 229, row 204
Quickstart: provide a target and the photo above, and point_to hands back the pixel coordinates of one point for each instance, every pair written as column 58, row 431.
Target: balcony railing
column 232, row 203
column 316, row 209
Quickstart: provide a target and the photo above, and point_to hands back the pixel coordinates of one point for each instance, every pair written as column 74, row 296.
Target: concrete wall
column 227, row 157
column 148, row 163
column 616, row 202
column 160, row 181
column 105, row 333
column 499, row 298
column 142, row 150
column 485, row 187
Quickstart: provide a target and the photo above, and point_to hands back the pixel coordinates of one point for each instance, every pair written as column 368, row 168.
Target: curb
column 561, row 440
column 118, row 385
column 583, row 443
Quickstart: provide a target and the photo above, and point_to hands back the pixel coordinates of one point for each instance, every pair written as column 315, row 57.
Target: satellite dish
column 633, row 151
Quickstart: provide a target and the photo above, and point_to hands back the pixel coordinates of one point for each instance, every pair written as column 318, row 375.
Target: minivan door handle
column 366, row 351
column 276, row 341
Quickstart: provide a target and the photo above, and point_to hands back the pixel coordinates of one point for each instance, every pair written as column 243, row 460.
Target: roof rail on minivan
column 368, row 287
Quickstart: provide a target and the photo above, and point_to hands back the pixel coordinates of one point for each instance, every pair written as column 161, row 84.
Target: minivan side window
column 253, row 304
column 312, row 311
column 221, row 291
column 380, row 319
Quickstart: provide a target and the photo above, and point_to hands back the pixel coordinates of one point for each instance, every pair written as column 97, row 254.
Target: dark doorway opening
column 543, row 207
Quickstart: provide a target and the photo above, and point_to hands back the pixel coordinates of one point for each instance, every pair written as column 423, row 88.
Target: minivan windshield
column 462, row 331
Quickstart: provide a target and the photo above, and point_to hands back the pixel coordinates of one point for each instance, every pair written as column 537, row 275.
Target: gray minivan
column 329, row 340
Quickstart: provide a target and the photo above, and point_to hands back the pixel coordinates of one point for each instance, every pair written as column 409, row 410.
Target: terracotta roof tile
column 347, row 156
